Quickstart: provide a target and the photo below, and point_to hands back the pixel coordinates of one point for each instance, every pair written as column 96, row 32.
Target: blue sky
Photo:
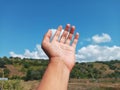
column 24, row 22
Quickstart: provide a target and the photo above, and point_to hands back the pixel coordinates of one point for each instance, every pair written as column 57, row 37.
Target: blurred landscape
column 25, row 74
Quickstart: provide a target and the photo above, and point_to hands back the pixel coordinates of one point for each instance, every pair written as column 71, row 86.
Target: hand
column 61, row 50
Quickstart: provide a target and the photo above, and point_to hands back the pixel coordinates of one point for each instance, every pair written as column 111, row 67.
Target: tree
column 2, row 63
column 6, row 72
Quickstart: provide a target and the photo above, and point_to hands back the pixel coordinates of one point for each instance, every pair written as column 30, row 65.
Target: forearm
column 57, row 73
column 56, row 76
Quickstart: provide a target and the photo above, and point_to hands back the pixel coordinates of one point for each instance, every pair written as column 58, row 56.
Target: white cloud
column 38, row 53
column 16, row 55
column 88, row 53
column 92, row 53
column 101, row 38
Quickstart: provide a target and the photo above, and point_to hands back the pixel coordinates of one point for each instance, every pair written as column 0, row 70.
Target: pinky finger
column 75, row 40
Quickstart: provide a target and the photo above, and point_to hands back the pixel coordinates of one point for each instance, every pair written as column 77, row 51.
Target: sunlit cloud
column 101, row 38
column 38, row 53
column 92, row 53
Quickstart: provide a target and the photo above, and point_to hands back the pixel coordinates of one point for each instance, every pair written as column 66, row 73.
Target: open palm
column 63, row 48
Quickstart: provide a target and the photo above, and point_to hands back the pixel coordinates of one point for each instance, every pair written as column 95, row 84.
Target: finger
column 57, row 33
column 65, row 33
column 75, row 40
column 47, row 37
column 70, row 35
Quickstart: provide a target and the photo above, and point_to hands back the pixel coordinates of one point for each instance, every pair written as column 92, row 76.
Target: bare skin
column 61, row 54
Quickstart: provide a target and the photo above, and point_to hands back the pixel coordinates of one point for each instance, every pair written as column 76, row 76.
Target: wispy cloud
column 88, row 39
column 101, row 38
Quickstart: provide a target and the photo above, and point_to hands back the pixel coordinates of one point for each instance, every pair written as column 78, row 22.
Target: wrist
column 58, row 62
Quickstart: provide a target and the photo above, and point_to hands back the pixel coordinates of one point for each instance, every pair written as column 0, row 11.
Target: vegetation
column 24, row 74
column 29, row 69
column 10, row 85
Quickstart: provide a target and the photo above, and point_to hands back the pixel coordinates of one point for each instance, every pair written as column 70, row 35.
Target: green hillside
column 33, row 69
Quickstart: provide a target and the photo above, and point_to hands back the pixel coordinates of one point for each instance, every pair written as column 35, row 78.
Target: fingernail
column 68, row 24
column 60, row 26
column 73, row 26
column 77, row 33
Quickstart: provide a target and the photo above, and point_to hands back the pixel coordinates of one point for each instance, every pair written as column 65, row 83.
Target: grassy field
column 74, row 84
column 88, row 84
